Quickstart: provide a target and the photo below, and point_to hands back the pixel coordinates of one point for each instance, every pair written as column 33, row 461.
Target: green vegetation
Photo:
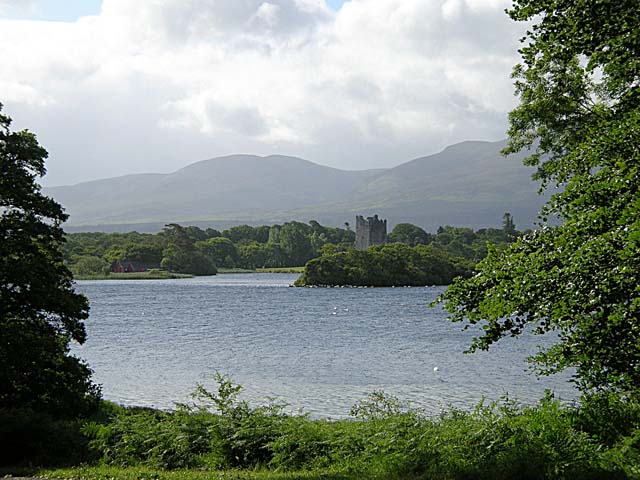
column 40, row 314
column 276, row 249
column 235, row 270
column 409, row 234
column 141, row 473
column 382, row 439
column 579, row 87
column 467, row 243
column 148, row 275
column 392, row 264
column 417, row 258
column 191, row 250
column 281, row 270
column 181, row 254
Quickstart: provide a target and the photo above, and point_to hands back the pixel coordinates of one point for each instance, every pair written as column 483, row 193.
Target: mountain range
column 467, row 184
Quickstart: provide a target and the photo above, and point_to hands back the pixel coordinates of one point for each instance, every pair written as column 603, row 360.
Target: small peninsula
column 389, row 265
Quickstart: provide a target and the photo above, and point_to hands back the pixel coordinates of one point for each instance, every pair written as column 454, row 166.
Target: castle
column 370, row 231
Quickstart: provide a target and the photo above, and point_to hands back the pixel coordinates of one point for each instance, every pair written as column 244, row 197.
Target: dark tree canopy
column 391, row 264
column 409, row 234
column 220, row 250
column 181, row 254
column 39, row 311
column 579, row 115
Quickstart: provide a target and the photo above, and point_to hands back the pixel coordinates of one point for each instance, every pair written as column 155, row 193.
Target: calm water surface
column 319, row 350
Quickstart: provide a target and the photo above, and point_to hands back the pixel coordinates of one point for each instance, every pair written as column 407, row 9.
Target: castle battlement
column 370, row 231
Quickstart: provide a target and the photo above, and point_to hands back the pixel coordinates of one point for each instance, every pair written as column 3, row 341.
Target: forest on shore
column 191, row 250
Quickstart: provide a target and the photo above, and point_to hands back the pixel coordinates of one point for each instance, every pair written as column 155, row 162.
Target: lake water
column 319, row 350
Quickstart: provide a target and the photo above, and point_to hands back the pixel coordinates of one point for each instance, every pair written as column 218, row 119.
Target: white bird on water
column 436, row 369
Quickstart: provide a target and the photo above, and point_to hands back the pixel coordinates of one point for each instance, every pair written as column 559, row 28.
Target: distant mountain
column 237, row 186
column 469, row 183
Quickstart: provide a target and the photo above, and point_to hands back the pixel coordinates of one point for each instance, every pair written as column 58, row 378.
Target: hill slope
column 469, row 183
column 242, row 186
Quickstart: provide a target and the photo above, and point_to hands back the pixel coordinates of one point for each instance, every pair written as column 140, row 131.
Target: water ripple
column 318, row 350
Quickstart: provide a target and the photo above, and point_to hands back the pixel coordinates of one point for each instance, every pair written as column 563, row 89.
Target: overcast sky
column 114, row 87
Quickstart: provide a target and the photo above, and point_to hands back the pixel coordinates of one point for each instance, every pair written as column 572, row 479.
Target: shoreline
column 135, row 276
column 163, row 275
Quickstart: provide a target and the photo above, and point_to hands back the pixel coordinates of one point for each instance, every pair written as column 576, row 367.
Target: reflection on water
column 319, row 350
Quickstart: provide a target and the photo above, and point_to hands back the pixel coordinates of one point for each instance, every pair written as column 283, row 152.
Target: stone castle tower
column 370, row 231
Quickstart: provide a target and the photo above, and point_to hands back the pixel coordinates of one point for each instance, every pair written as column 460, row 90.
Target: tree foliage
column 579, row 115
column 91, row 265
column 221, row 251
column 181, row 254
column 39, row 311
column 193, row 250
column 392, row 264
column 409, row 234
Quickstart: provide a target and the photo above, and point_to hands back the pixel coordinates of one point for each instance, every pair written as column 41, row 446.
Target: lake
column 319, row 350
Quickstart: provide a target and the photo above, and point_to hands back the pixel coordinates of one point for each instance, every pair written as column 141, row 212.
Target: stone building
column 370, row 231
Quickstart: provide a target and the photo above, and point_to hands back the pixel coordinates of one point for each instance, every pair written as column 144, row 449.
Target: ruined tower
column 370, row 231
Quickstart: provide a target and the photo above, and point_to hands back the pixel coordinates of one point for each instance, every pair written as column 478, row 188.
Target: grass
column 222, row 270
column 163, row 275
column 149, row 275
column 262, row 270
column 281, row 270
column 146, row 473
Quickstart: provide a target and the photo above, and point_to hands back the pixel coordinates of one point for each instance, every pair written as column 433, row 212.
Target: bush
column 217, row 431
column 32, row 438
column 91, row 265
column 502, row 440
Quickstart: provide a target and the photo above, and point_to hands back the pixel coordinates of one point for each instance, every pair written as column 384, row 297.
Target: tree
column 181, row 254
column 508, row 227
column 221, row 251
column 409, row 234
column 242, row 234
column 91, row 265
column 255, row 255
column 196, row 234
column 40, row 314
column 579, row 89
column 147, row 253
column 391, row 264
column 295, row 242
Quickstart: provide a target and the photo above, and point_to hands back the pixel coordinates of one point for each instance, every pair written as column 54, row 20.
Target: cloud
column 16, row 6
column 153, row 86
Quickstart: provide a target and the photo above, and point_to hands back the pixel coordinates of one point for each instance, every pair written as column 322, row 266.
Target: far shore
column 164, row 275
column 150, row 275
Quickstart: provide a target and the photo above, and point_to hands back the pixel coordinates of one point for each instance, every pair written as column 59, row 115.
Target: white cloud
column 22, row 93
column 16, row 6
column 152, row 86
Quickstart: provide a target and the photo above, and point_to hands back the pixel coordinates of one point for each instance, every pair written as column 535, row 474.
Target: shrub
column 502, row 440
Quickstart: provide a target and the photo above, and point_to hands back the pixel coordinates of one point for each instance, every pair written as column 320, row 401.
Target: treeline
column 392, row 264
column 414, row 258
column 192, row 250
column 458, row 241
column 200, row 252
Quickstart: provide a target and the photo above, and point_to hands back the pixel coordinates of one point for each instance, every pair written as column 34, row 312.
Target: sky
column 115, row 87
